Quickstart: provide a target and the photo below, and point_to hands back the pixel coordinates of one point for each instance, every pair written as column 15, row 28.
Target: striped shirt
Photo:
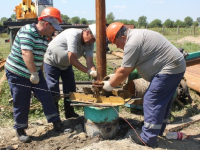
column 27, row 38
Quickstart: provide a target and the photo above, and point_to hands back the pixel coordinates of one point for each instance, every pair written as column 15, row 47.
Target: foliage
column 65, row 18
column 155, row 23
column 2, row 20
column 13, row 17
column 168, row 23
column 195, row 23
column 135, row 23
column 198, row 19
column 188, row 21
column 142, row 21
column 91, row 21
column 83, row 21
column 75, row 20
column 110, row 18
column 179, row 23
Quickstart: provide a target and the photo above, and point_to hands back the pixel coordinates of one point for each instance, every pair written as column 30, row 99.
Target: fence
column 178, row 31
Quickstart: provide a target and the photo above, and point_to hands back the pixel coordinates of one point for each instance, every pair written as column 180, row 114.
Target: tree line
column 141, row 22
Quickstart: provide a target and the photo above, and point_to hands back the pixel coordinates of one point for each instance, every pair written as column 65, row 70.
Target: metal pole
column 100, row 39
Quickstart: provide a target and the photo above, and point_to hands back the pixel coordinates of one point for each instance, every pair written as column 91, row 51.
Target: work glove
column 92, row 73
column 108, row 77
column 107, row 86
column 34, row 78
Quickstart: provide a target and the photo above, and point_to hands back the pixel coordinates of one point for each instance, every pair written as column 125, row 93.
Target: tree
column 195, row 23
column 83, row 21
column 110, row 18
column 142, row 21
column 168, row 23
column 2, row 20
column 65, row 18
column 155, row 23
column 198, row 19
column 188, row 21
column 13, row 17
column 135, row 23
column 124, row 21
column 179, row 23
column 75, row 20
column 91, row 21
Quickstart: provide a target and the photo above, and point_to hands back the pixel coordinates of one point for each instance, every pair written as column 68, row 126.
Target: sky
column 121, row 9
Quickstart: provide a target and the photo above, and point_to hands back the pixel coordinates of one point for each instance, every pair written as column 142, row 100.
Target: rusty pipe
column 100, row 39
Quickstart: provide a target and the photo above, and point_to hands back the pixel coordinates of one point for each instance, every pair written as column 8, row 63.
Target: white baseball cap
column 93, row 29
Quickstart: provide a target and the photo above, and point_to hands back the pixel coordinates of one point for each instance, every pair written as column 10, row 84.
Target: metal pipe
column 100, row 39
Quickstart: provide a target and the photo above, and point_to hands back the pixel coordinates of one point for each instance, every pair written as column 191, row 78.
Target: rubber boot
column 69, row 110
column 21, row 134
column 57, row 126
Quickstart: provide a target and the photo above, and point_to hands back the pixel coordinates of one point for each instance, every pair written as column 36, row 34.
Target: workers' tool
column 97, row 88
column 89, row 98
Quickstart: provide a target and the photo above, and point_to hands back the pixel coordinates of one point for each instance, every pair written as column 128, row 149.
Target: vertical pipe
column 100, row 39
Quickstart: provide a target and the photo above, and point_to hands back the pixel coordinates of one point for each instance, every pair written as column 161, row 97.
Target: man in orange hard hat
column 24, row 74
column 158, row 62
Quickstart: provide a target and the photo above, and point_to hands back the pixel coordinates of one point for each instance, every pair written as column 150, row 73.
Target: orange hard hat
column 112, row 30
column 51, row 12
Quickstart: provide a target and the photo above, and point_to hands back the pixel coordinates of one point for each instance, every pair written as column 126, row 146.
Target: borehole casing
column 101, row 121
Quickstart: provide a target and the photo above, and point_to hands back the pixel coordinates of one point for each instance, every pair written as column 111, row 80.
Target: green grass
column 4, row 47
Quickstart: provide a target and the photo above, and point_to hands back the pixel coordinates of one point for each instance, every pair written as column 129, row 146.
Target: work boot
column 21, row 134
column 69, row 110
column 57, row 125
column 71, row 114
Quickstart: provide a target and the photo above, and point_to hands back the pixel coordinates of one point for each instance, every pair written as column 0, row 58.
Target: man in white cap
column 63, row 52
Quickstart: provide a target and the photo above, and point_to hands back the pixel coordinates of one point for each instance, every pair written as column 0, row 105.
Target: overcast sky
column 121, row 9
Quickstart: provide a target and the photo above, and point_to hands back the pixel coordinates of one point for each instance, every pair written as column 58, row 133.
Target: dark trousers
column 156, row 105
column 21, row 89
column 53, row 75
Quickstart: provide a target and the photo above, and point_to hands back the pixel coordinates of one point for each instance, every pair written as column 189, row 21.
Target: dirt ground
column 190, row 39
column 44, row 138
column 74, row 137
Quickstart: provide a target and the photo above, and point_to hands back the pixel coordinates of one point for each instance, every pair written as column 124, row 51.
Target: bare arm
column 74, row 61
column 90, row 63
column 121, row 74
column 28, row 58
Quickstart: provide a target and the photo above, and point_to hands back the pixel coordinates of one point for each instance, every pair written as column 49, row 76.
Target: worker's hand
column 108, row 77
column 34, row 78
column 92, row 73
column 107, row 86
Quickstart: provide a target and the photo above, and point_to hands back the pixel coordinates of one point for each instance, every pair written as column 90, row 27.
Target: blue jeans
column 21, row 92
column 157, row 102
column 53, row 75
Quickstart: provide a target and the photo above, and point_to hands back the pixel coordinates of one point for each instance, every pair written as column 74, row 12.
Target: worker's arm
column 73, row 60
column 121, row 74
column 28, row 58
column 90, row 63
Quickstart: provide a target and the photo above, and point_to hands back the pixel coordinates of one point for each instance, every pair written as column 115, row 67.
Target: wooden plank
column 177, row 126
column 193, row 82
column 193, row 74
